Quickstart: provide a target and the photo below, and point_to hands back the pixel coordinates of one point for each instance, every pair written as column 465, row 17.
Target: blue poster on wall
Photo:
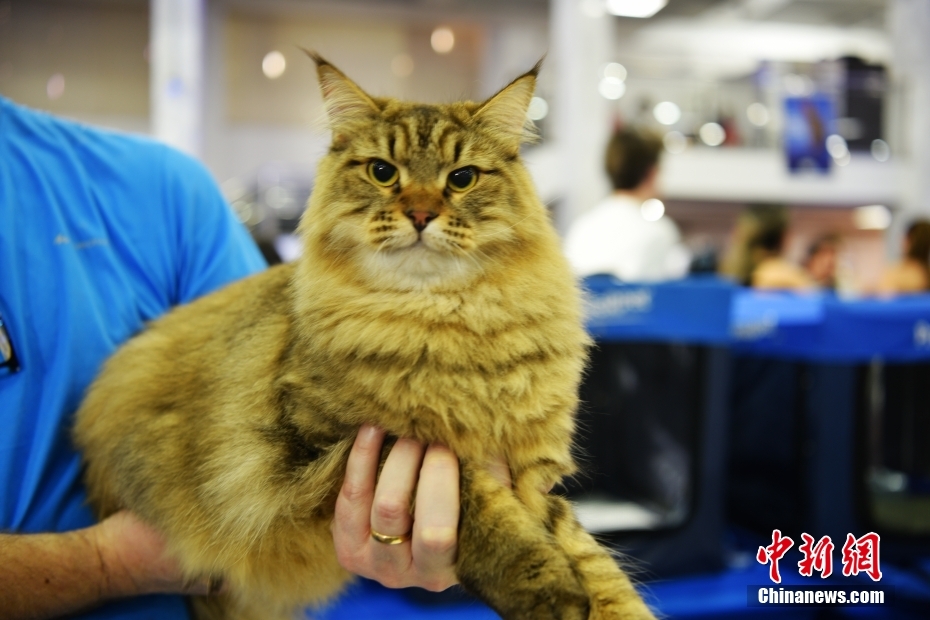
column 808, row 122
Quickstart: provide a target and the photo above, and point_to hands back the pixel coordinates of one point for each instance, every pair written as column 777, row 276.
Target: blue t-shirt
column 99, row 233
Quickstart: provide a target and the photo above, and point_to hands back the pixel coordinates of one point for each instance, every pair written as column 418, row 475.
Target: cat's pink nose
column 420, row 218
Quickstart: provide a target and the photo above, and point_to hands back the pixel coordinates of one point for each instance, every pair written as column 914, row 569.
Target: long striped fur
column 227, row 424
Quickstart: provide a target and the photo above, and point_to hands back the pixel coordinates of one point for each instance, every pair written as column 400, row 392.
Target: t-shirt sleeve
column 213, row 247
column 586, row 246
column 677, row 256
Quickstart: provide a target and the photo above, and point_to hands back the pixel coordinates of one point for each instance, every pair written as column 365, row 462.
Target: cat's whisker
column 484, row 254
column 477, row 249
column 381, row 245
column 511, row 227
column 472, row 258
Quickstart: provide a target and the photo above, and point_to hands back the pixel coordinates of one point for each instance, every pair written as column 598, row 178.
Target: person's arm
column 779, row 274
column 49, row 575
column 903, row 278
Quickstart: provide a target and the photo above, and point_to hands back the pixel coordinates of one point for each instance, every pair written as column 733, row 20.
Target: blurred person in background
column 619, row 236
column 822, row 261
column 756, row 251
column 100, row 233
column 912, row 273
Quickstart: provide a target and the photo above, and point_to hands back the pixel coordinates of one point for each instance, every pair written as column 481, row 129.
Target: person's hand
column 425, row 555
column 132, row 554
column 425, row 542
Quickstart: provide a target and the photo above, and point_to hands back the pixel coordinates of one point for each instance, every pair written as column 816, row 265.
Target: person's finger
column 390, row 513
column 436, row 520
column 353, row 505
column 204, row 587
column 500, row 470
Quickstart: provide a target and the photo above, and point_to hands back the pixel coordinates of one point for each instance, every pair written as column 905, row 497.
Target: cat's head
column 418, row 196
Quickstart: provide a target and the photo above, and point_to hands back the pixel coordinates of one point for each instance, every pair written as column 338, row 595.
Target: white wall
column 909, row 23
column 761, row 175
column 282, row 120
column 100, row 52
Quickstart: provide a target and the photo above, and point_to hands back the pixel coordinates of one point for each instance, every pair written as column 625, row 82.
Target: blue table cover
column 824, row 328
column 695, row 310
column 806, row 326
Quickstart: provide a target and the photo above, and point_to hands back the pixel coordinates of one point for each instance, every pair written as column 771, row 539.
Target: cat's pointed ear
column 505, row 112
column 343, row 99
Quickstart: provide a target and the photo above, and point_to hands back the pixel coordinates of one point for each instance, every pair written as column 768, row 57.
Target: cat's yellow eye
column 463, row 178
column 382, row 173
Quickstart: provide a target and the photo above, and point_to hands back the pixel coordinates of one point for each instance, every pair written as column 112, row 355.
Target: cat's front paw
column 629, row 609
column 556, row 606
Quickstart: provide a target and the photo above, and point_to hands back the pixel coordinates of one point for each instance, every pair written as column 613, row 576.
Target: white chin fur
column 416, row 267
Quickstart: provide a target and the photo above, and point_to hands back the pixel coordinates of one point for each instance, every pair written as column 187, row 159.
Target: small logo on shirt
column 80, row 245
column 8, row 359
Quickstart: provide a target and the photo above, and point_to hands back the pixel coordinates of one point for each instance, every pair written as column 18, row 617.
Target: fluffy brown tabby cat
column 431, row 300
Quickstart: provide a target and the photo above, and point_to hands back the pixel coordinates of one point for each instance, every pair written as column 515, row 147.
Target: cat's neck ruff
column 417, row 268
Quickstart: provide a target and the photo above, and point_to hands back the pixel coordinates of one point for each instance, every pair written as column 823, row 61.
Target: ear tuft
column 343, row 98
column 505, row 112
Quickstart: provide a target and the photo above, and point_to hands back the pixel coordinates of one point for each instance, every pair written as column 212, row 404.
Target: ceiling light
column 273, row 65
column 872, row 217
column 837, row 147
column 880, row 150
column 652, row 210
column 667, row 113
column 712, row 134
column 611, row 88
column 798, row 85
column 838, row 150
column 615, row 70
column 442, row 40
column 758, row 114
column 635, row 8
column 538, row 109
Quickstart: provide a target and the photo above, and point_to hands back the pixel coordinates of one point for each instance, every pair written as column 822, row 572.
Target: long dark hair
column 760, row 233
column 918, row 237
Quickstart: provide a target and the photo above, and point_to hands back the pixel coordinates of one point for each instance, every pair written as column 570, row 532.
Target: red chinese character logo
column 817, row 557
column 773, row 553
column 861, row 555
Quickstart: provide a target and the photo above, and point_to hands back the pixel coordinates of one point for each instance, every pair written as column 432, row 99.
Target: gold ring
column 384, row 539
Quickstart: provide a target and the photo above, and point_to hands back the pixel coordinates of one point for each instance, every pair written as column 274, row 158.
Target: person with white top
column 627, row 234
